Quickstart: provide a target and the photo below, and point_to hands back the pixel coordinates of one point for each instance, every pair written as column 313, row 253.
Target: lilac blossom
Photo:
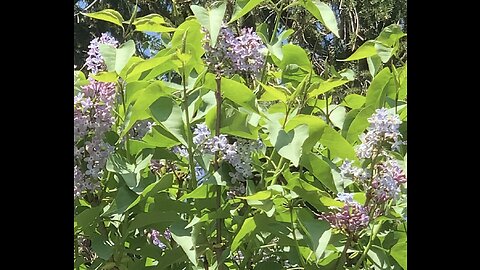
column 199, row 174
column 140, row 129
column 180, row 150
column 232, row 54
column 154, row 237
column 347, row 170
column 92, row 119
column 383, row 129
column 351, row 219
column 387, row 181
column 95, row 61
column 246, row 53
column 202, row 133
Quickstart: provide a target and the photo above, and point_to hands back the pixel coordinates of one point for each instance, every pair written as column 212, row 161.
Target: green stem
column 327, row 120
column 129, row 31
column 272, row 37
column 188, row 132
column 127, row 139
column 369, row 245
column 75, row 244
column 343, row 257
column 302, row 262
column 278, row 170
column 218, row 98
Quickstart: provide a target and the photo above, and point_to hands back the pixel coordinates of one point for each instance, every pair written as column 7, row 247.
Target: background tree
column 358, row 21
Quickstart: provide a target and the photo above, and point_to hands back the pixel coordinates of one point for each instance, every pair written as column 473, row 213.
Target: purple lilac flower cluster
column 140, row 129
column 351, row 219
column 347, row 170
column 238, row 154
column 238, row 53
column 154, row 234
column 387, row 174
column 387, row 181
column 95, row 62
column 92, row 119
column 383, row 129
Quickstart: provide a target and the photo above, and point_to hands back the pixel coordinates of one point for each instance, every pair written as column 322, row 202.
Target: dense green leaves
column 245, row 179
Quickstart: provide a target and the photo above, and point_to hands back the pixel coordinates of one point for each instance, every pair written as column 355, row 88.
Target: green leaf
column 135, row 71
column 146, row 219
column 337, row 115
column 236, row 123
column 317, row 231
column 359, row 124
column 375, row 92
column 165, row 182
column 276, row 48
column 319, row 131
column 239, row 93
column 354, row 101
column 190, row 35
column 402, row 78
column 222, row 213
column 338, row 146
column 166, row 112
column 242, row 7
column 101, row 246
column 87, row 216
column 183, row 237
column 273, row 93
column 288, row 144
column 106, row 76
column 374, row 64
column 307, row 192
column 116, row 59
column 152, row 23
column 160, row 137
column 390, row 35
column 170, row 257
column 248, row 227
column 294, row 55
column 139, row 100
column 399, row 253
column 366, row 50
column 323, row 13
column 108, row 15
column 320, row 169
column 327, row 85
column 268, row 265
column 201, row 192
column 383, row 52
column 125, row 197
column 79, row 81
column 261, row 195
column 210, row 19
